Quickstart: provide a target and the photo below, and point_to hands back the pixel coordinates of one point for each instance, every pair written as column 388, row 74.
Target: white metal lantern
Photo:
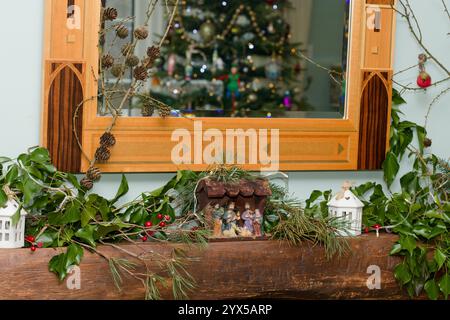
column 346, row 206
column 11, row 236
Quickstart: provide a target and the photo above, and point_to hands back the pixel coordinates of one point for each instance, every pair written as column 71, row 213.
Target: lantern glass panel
column 7, row 225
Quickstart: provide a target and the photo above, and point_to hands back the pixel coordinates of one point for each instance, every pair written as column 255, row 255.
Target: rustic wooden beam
column 225, row 270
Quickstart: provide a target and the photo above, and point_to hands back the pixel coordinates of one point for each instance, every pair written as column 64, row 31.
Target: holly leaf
column 444, row 285
column 71, row 214
column 390, row 168
column 123, row 189
column 12, row 174
column 439, row 257
column 432, row 289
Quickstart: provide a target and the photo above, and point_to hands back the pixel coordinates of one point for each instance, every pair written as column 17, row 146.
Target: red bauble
column 148, row 224
column 160, row 216
column 162, row 224
column 377, row 226
column 271, row 2
column 424, row 80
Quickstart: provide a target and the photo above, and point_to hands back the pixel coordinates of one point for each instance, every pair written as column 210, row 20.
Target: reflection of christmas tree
column 227, row 57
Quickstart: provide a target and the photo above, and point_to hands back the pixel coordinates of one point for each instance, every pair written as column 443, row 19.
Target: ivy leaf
column 87, row 234
column 444, row 285
column 16, row 216
column 138, row 216
column 12, row 174
column 4, row 160
column 408, row 243
column 3, row 198
column 123, row 189
column 71, row 214
column 432, row 289
column 61, row 263
column 40, row 155
column 46, row 238
column 439, row 257
column 402, row 274
column 390, row 168
column 396, row 249
column 30, row 190
column 410, row 182
column 421, row 135
column 397, row 98
column 313, row 197
column 87, row 215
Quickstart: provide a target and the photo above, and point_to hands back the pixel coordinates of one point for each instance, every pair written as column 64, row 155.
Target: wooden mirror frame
column 357, row 142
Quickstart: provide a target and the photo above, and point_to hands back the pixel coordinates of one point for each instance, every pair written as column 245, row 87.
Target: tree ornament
column 110, row 14
column 117, row 70
column 156, row 82
column 127, row 49
column 132, row 61
column 122, row 31
column 273, row 69
column 87, row 183
column 102, row 154
column 297, row 68
column 287, row 100
column 207, row 31
column 171, row 63
column 252, row 98
column 147, row 110
column 164, row 111
column 107, row 61
column 107, row 140
column 271, row 2
column 93, row 173
column 271, row 28
column 424, row 80
column 427, row 142
column 141, row 33
column 140, row 73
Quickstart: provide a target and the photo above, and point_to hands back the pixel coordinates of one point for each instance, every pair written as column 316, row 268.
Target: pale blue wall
column 21, row 29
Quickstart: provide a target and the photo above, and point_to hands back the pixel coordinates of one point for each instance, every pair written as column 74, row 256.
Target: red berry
column 167, row 217
column 150, row 233
column 144, row 238
column 33, row 248
column 40, row 244
column 366, row 230
column 377, row 226
column 148, row 224
column 160, row 216
column 162, row 224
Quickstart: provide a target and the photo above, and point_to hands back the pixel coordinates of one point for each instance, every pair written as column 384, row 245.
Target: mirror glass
column 229, row 58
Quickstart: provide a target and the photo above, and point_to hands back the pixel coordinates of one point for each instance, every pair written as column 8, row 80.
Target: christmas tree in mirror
column 230, row 58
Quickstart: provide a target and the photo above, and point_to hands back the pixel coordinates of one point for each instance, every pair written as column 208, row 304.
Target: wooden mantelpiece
column 225, row 270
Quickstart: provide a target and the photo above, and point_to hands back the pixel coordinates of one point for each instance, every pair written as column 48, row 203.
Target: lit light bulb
column 275, row 7
column 195, row 31
column 251, row 46
column 177, row 25
column 224, row 3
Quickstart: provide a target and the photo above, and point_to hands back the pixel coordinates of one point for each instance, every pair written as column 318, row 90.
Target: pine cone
column 107, row 61
column 127, row 49
column 153, row 52
column 132, row 61
column 94, row 174
column 122, row 31
column 147, row 110
column 110, row 14
column 117, row 70
column 140, row 73
column 164, row 111
column 107, row 140
column 102, row 154
column 141, row 33
column 87, row 183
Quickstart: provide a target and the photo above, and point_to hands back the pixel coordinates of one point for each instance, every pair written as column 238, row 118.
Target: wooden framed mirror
column 340, row 128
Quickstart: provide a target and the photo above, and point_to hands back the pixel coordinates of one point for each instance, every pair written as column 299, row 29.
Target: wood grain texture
column 64, row 95
column 225, row 270
column 373, row 128
column 381, row 2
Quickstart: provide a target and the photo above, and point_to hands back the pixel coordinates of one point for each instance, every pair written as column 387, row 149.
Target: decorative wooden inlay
column 374, row 120
column 65, row 94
